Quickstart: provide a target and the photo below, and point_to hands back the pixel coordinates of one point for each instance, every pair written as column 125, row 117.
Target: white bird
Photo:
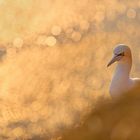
column 121, row 82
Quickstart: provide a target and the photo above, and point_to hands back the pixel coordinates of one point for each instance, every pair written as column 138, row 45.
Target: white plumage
column 121, row 81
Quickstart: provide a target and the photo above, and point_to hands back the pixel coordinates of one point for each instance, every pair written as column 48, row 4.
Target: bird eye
column 120, row 54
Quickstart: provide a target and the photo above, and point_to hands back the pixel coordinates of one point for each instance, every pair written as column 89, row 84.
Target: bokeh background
column 53, row 63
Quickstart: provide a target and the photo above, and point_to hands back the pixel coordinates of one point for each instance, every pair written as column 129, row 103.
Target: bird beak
column 114, row 59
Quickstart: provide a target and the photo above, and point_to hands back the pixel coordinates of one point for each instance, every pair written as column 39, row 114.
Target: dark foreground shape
column 111, row 120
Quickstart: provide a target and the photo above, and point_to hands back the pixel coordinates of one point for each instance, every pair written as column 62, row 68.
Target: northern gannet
column 121, row 81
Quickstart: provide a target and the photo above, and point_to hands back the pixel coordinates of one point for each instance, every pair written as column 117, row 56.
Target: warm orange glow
column 55, row 65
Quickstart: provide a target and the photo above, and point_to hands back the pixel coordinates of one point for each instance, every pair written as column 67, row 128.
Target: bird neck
column 123, row 70
column 121, row 80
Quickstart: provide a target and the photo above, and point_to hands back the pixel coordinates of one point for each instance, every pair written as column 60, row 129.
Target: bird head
column 121, row 53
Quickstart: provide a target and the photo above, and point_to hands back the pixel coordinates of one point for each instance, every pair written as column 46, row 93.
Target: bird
column 122, row 82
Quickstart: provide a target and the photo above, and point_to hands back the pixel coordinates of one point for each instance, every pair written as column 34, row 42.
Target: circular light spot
column 131, row 13
column 56, row 30
column 18, row 42
column 76, row 36
column 50, row 41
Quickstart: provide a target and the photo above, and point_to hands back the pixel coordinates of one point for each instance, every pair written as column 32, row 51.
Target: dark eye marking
column 120, row 54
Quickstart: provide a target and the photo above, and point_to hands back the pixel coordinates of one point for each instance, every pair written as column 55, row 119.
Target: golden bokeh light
column 53, row 67
column 50, row 41
column 131, row 13
column 46, row 40
column 76, row 36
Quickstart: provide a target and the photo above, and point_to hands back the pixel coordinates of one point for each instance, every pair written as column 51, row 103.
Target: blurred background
column 53, row 74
